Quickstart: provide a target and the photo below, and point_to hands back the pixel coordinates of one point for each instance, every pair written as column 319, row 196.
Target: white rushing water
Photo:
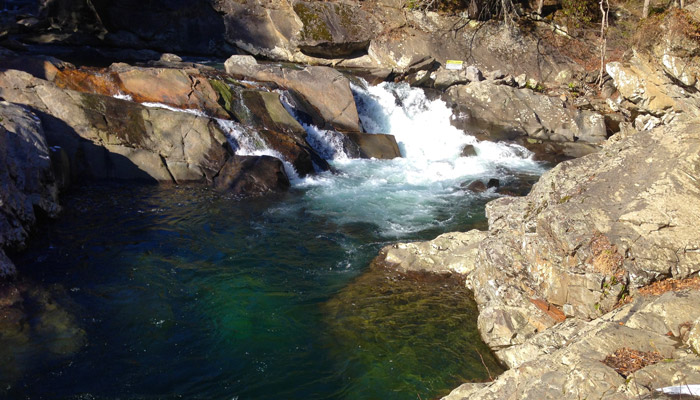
column 421, row 190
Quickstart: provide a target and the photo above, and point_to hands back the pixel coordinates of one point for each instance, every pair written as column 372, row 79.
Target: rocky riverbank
column 569, row 278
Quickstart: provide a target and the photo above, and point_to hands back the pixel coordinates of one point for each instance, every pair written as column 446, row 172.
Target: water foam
column 421, row 190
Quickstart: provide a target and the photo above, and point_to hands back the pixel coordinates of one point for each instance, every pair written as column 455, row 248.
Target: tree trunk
column 645, row 10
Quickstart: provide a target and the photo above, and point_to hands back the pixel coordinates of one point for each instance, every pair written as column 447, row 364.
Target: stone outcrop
column 184, row 88
column 27, row 182
column 566, row 361
column 264, row 113
column 590, row 229
column 453, row 252
column 321, row 92
column 496, row 108
column 106, row 137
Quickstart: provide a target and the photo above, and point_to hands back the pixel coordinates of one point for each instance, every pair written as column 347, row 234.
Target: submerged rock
column 252, row 176
column 35, row 323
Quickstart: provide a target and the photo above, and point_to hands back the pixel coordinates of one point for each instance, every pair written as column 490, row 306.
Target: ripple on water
column 413, row 332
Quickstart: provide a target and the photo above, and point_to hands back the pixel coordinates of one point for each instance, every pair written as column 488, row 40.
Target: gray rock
column 107, row 138
column 323, row 92
column 469, row 151
column 521, row 80
column 473, row 74
column 252, row 176
column 495, row 75
column 565, row 361
column 453, row 252
column 170, row 58
column 27, row 183
column 496, row 108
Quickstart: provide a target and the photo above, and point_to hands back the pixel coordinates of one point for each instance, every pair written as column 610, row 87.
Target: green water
column 184, row 293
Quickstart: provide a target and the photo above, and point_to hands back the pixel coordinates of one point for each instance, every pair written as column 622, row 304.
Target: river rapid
column 182, row 292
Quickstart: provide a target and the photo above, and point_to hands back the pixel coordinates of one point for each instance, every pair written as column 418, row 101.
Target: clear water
column 185, row 293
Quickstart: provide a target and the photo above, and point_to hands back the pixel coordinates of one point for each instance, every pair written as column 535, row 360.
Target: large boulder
column 569, row 360
column 497, row 108
column 263, row 112
column 590, row 229
column 453, row 252
column 106, row 137
column 181, row 88
column 252, row 176
column 335, row 30
column 322, row 92
column 27, row 183
column 373, row 145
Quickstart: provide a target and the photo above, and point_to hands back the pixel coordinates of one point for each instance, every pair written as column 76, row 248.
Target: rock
column 532, row 83
column 170, row 58
column 43, row 67
column 323, row 92
column 694, row 337
column 252, row 176
column 566, row 361
column 180, row 88
column 493, row 183
column 27, row 183
column 444, row 78
column 375, row 145
column 649, row 91
column 334, row 30
column 645, row 122
column 521, row 80
column 469, row 151
column 107, row 138
column 476, row 187
column 451, row 252
column 622, row 237
column 494, row 75
column 263, row 112
column 473, row 74
column 496, row 108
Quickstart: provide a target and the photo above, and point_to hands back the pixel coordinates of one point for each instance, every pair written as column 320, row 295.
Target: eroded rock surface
column 322, row 92
column 27, row 182
column 106, row 137
column 566, row 361
column 494, row 107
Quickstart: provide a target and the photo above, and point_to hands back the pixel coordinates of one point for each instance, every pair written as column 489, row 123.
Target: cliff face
column 383, row 35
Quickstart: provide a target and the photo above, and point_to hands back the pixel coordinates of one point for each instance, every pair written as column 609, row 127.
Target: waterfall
column 246, row 142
